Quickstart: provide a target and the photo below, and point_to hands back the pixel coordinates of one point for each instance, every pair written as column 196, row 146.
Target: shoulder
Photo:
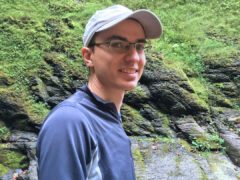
column 72, row 114
column 66, row 124
column 70, row 110
column 68, row 114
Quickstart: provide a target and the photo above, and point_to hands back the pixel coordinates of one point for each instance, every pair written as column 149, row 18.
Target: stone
column 172, row 99
column 231, row 141
column 171, row 161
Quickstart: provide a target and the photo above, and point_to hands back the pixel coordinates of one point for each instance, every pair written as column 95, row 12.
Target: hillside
column 189, row 92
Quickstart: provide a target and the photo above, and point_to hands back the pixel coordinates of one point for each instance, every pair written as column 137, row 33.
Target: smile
column 129, row 70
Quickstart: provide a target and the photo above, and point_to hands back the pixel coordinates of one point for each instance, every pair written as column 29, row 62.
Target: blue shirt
column 83, row 138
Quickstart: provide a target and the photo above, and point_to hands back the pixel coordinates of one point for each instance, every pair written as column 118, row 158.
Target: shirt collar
column 108, row 104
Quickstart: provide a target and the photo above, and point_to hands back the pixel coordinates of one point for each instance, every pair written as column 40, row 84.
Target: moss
column 178, row 160
column 199, row 85
column 217, row 98
column 26, row 38
column 134, row 123
column 201, row 102
column 159, row 120
column 12, row 160
column 4, row 132
column 186, row 145
column 9, row 95
column 195, row 101
column 25, row 104
column 138, row 158
column 139, row 93
column 3, row 170
column 165, row 120
column 69, row 67
column 5, row 80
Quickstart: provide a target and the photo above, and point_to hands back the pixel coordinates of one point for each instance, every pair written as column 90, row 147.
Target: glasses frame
column 122, row 49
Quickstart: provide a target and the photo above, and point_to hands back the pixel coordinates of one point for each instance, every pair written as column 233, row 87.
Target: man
column 83, row 138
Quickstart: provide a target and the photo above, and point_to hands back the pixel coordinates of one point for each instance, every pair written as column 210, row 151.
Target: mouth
column 128, row 70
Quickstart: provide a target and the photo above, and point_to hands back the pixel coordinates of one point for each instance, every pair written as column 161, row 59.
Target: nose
column 132, row 54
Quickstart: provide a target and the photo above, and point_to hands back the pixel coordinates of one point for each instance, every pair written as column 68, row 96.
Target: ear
column 86, row 54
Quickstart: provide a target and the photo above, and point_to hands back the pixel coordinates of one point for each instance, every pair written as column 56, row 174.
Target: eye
column 118, row 44
column 140, row 46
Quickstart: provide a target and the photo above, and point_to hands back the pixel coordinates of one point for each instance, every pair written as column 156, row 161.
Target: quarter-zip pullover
column 83, row 138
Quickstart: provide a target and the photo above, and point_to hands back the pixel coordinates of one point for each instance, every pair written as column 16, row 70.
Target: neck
column 106, row 93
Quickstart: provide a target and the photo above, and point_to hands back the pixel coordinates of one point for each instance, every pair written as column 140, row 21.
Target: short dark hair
column 92, row 42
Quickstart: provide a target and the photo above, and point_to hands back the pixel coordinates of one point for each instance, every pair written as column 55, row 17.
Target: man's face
column 118, row 70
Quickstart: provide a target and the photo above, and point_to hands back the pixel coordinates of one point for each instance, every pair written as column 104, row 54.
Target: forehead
column 129, row 29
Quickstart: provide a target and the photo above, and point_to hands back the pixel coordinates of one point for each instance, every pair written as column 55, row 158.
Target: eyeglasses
column 120, row 46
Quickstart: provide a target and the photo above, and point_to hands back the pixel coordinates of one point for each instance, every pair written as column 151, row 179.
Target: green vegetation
column 212, row 142
column 200, row 88
column 11, row 160
column 195, row 32
column 138, row 92
column 134, row 122
column 4, row 133
column 138, row 158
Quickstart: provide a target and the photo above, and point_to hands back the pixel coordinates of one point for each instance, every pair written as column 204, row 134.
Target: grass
column 196, row 32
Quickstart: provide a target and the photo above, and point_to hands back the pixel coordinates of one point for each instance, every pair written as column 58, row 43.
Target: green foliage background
column 195, row 31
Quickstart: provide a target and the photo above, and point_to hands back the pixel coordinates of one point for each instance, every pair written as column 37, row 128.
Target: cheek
column 101, row 59
column 141, row 65
column 142, row 61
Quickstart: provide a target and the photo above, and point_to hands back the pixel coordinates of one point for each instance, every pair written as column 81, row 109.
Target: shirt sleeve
column 65, row 145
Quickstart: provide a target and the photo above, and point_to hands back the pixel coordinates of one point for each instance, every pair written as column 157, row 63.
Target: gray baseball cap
column 109, row 17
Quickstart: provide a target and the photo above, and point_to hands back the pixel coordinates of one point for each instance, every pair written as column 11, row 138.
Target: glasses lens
column 120, row 46
column 140, row 47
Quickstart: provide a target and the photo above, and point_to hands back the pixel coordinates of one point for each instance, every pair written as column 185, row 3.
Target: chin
column 130, row 86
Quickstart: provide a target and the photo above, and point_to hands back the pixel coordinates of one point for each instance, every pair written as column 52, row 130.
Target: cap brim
column 150, row 23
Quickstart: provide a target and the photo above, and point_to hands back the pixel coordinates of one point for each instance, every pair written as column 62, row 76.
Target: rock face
column 226, row 77
column 53, row 89
column 171, row 160
column 26, row 143
column 163, row 104
column 171, row 93
column 12, row 113
column 231, row 139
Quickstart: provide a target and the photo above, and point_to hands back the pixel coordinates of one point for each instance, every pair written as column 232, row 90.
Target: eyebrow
column 124, row 39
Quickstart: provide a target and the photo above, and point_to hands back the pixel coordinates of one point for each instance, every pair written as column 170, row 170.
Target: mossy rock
column 218, row 99
column 63, row 66
column 159, row 120
column 134, row 123
column 172, row 99
column 10, row 159
column 5, row 80
column 208, row 142
column 9, row 103
column 137, row 97
column 19, row 110
column 4, row 132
